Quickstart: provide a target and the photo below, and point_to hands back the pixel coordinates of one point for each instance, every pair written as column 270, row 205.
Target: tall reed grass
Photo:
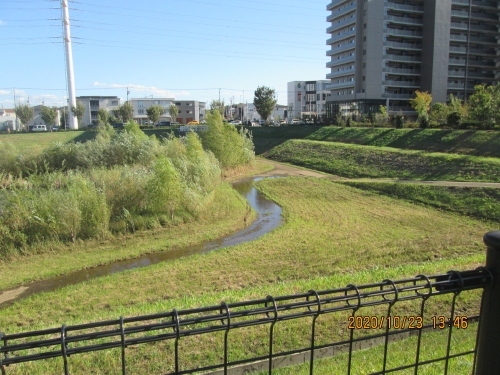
column 119, row 182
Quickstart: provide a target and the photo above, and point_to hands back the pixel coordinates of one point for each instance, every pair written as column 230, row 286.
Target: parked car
column 172, row 123
column 163, row 123
column 118, row 125
column 262, row 122
column 235, row 122
column 255, row 123
column 39, row 128
column 295, row 121
column 194, row 122
column 282, row 122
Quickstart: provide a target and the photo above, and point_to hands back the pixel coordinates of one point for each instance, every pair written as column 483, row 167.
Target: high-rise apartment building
column 382, row 51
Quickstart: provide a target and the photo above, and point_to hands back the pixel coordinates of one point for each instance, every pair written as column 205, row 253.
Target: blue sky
column 186, row 49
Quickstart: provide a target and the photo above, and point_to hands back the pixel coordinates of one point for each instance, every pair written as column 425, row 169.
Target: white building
column 93, row 104
column 307, row 98
column 141, row 105
column 250, row 113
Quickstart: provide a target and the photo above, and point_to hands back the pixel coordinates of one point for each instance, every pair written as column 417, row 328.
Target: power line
column 196, row 35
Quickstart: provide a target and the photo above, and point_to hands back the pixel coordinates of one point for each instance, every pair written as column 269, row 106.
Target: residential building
column 279, row 112
column 307, row 98
column 141, row 105
column 190, row 110
column 381, row 52
column 92, row 106
column 8, row 120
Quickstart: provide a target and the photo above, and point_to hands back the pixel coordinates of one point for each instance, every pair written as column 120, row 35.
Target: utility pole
column 128, row 92
column 15, row 106
column 73, row 121
column 219, row 95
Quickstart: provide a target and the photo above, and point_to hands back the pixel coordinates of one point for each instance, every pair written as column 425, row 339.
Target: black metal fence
column 384, row 325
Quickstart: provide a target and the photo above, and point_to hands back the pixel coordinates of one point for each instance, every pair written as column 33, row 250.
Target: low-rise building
column 190, row 110
column 141, row 106
column 307, row 99
column 92, row 106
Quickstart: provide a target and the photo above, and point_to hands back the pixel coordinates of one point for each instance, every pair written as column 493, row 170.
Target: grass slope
column 333, row 235
column 355, row 161
column 469, row 142
column 481, row 203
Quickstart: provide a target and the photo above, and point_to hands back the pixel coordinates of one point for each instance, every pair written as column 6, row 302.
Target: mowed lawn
column 333, row 235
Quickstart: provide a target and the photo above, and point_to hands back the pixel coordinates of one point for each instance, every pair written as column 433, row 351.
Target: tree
column 173, row 111
column 25, row 113
column 127, row 112
column 48, row 114
column 217, row 105
column 421, row 103
column 154, row 113
column 439, row 113
column 64, row 118
column 264, row 101
column 103, row 117
column 78, row 111
column 484, row 104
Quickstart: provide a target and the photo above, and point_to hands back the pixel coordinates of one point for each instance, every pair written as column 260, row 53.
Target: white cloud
column 4, row 93
column 2, row 23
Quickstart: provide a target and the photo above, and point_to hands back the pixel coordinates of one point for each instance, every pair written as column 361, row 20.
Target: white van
column 39, row 128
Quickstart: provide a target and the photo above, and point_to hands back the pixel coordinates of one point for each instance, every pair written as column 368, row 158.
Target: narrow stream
column 268, row 218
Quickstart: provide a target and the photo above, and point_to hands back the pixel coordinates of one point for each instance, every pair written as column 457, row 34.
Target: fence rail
column 67, row 341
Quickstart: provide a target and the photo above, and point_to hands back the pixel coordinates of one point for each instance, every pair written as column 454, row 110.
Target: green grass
column 333, row 235
column 433, row 346
column 481, row 203
column 355, row 161
column 469, row 142
column 225, row 215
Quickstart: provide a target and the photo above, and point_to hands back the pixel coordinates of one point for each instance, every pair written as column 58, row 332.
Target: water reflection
column 268, row 218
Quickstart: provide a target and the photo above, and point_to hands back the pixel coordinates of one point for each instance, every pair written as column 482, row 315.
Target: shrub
column 231, row 147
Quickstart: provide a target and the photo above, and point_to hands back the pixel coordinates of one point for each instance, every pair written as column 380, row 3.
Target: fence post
column 488, row 349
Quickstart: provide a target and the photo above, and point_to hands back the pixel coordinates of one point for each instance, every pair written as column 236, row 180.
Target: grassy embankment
column 467, row 142
column 300, row 256
column 333, row 235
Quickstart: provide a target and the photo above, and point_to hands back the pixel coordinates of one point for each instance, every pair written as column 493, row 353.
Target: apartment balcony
column 404, row 20
column 341, row 36
column 402, row 71
column 339, row 85
column 94, row 107
column 335, row 3
column 345, row 47
column 460, row 14
column 460, row 38
column 406, row 33
column 340, row 73
column 409, row 84
column 390, row 95
column 405, row 8
column 455, row 74
column 458, row 49
column 341, row 61
column 485, row 28
column 459, row 86
column 459, row 62
column 405, row 46
column 343, row 10
column 341, row 22
column 403, row 58
column 459, row 25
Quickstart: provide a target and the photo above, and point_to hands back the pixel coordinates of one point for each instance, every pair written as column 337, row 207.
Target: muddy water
column 268, row 218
